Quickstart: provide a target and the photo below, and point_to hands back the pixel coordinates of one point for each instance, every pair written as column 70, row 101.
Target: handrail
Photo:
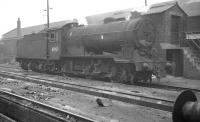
column 196, row 44
column 194, row 48
column 194, row 40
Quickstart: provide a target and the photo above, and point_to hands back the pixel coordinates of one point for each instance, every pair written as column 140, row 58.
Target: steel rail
column 167, row 87
column 153, row 85
column 23, row 109
column 146, row 101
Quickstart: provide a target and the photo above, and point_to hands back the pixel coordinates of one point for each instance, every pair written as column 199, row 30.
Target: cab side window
column 51, row 36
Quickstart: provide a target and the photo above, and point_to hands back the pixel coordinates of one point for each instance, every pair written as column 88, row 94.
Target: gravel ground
column 85, row 104
column 131, row 89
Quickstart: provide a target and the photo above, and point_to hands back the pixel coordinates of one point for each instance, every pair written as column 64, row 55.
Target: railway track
column 183, row 100
column 22, row 109
column 153, row 85
column 166, row 87
column 152, row 102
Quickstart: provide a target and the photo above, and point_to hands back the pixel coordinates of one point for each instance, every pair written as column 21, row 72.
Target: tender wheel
column 24, row 65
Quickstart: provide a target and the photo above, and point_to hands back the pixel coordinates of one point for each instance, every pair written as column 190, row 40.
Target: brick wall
column 189, row 70
column 175, row 11
column 193, row 24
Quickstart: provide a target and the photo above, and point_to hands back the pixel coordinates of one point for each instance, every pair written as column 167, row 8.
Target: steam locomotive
column 122, row 51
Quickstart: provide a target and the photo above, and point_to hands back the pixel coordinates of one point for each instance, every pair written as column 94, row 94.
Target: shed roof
column 98, row 18
column 160, row 7
column 33, row 29
column 191, row 7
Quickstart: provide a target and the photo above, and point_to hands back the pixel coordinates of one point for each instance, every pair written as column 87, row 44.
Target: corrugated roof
column 163, row 4
column 160, row 7
column 99, row 18
column 191, row 7
column 33, row 29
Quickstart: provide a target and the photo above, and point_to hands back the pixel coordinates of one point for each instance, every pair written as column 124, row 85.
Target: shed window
column 175, row 29
column 52, row 35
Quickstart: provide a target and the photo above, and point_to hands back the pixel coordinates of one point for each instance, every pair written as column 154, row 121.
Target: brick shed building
column 171, row 23
column 192, row 52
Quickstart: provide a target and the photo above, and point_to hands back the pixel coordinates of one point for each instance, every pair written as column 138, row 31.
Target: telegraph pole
column 47, row 50
column 47, row 13
column 145, row 2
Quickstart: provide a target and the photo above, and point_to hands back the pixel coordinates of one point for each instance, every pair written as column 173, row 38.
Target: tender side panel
column 32, row 46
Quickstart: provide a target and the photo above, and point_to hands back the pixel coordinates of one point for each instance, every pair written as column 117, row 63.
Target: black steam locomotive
column 122, row 51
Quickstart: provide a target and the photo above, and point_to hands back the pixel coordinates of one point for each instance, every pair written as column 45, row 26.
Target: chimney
column 19, row 28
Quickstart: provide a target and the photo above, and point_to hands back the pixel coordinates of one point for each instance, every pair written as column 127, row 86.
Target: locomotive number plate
column 54, row 49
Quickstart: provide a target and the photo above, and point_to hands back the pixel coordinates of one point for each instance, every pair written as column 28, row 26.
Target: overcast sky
column 31, row 12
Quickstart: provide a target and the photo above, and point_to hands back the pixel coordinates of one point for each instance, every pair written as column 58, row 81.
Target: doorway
column 175, row 56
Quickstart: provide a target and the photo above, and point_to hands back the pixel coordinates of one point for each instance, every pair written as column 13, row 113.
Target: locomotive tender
column 116, row 51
